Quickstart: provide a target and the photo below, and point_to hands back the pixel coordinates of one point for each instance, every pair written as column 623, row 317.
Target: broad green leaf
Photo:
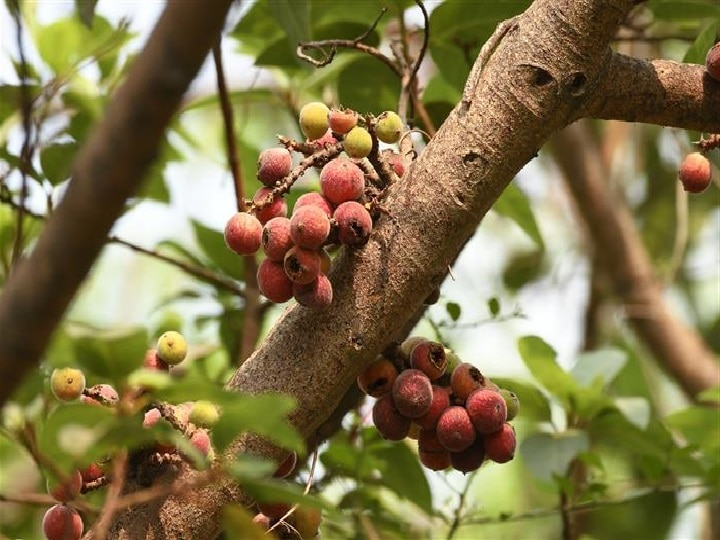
column 614, row 430
column 599, row 367
column 514, row 204
column 522, row 268
column 237, row 522
column 453, row 309
column 111, row 354
column 635, row 409
column 453, row 64
column 265, row 415
column 712, row 395
column 440, row 90
column 402, row 473
column 256, row 29
column 245, row 466
column 274, row 490
column 699, row 425
column 533, row 403
column 56, row 161
column 539, row 358
column 368, row 85
column 65, row 42
column 294, row 18
column 706, row 39
column 549, row 454
column 11, row 99
column 213, row 245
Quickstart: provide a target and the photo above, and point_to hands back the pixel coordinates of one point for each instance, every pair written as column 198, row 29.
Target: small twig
column 485, row 52
column 458, row 515
column 366, row 33
column 334, row 44
column 475, row 324
column 39, row 499
column 111, row 507
column 705, row 145
column 308, row 485
column 26, row 151
column 426, row 40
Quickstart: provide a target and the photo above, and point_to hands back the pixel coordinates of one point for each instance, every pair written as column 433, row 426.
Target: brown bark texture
column 545, row 73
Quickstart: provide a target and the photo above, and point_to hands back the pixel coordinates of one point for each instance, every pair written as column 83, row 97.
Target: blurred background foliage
column 602, row 431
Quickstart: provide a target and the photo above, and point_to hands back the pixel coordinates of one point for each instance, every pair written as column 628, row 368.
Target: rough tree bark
column 550, row 69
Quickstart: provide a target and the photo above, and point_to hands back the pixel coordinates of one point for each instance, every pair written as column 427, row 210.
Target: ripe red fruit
column 440, row 402
column 378, row 378
column 471, row 458
column 276, row 208
column 500, row 446
column 712, row 62
column 412, row 393
column 487, row 410
column 243, row 233
column 273, row 282
column 315, row 199
column 341, row 180
column 354, row 223
column 276, row 239
column 153, row 361
column 316, row 294
column 391, row 425
column 695, row 173
column 273, row 164
column 454, row 429
column 324, row 141
column 433, row 454
column 342, row 120
column 101, row 394
column 201, row 441
column 464, row 379
column 429, row 357
column 395, row 161
column 262, row 521
column 61, row 522
column 67, row 489
column 91, row 473
column 286, row 466
column 309, row 227
column 273, row 510
column 302, row 265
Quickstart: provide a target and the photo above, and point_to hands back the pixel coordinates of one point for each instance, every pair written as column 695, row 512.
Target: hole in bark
column 470, row 157
column 541, row 77
column 577, row 84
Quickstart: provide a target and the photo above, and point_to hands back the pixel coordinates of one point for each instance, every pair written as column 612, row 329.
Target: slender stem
column 458, row 515
column 253, row 314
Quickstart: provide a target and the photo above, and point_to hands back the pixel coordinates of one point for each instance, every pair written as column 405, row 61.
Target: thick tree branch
column 107, row 171
column 676, row 347
column 532, row 85
column 656, row 92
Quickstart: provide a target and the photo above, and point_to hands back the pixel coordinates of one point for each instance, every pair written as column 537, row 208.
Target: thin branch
column 424, row 47
column 458, row 514
column 252, row 314
column 110, row 508
column 26, row 151
column 334, row 44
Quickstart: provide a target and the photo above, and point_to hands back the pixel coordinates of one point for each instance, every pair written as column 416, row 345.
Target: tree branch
column 676, row 347
column 656, row 92
column 106, row 172
column 529, row 89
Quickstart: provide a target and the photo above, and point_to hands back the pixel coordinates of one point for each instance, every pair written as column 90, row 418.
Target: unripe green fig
column 204, row 414
column 67, row 384
column 512, row 402
column 172, row 347
column 358, row 143
column 389, row 127
column 314, row 119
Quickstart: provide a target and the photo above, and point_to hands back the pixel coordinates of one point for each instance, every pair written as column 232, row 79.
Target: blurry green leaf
column 86, row 11
column 237, row 522
column 453, row 63
column 697, row 52
column 523, row 268
column 368, row 85
column 550, row 454
column 614, row 430
column 699, row 425
column 514, row 204
column 264, row 414
column 678, row 10
column 111, row 354
column 294, row 17
column 539, row 358
column 635, row 409
column 150, row 379
column 65, row 42
column 533, row 403
column 600, row 366
column 403, row 473
column 245, row 466
column 440, row 90
column 231, row 330
column 11, row 100
column 453, row 309
column 213, row 245
column 494, row 306
column 712, row 395
column 275, row 490
column 56, row 161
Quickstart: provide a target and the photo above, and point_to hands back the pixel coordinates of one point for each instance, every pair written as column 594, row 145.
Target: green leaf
column 294, row 17
column 237, row 522
column 522, row 268
column 539, row 358
column 212, row 244
column 514, row 204
column 697, row 52
column 712, row 395
column 111, row 354
column 264, row 414
column 683, row 9
column 86, row 11
column 635, row 409
column 56, row 161
column 274, row 490
column 245, row 466
column 64, row 43
column 368, row 85
column 598, row 367
column 494, row 306
column 533, row 403
column 549, row 454
column 453, row 309
column 402, row 473
column 699, row 425
column 440, row 90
